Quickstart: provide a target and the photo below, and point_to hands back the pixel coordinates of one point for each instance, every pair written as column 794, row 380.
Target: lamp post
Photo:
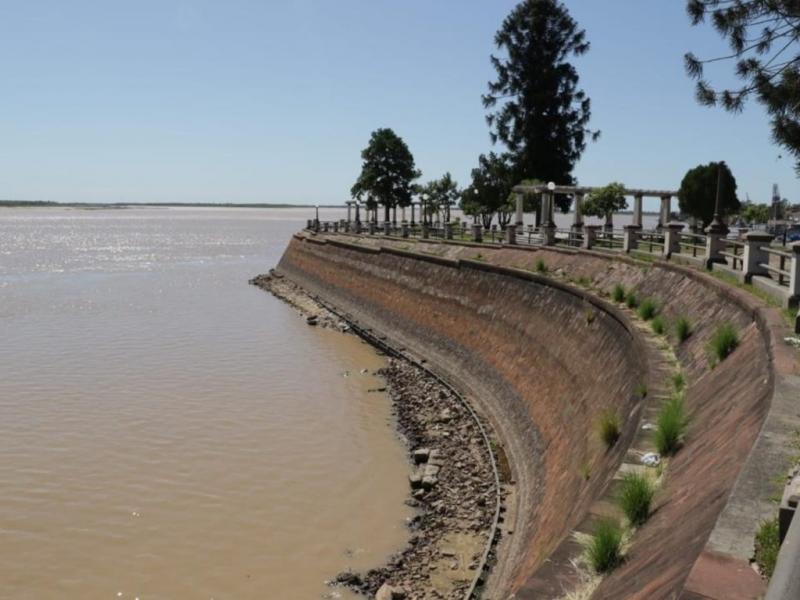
column 717, row 225
column 423, row 207
column 316, row 217
column 475, row 214
column 551, row 187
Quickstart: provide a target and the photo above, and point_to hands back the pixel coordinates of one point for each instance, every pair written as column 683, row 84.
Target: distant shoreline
column 48, row 204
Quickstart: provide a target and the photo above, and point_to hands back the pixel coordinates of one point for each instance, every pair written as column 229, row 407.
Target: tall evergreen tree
column 764, row 37
column 388, row 172
column 698, row 192
column 537, row 110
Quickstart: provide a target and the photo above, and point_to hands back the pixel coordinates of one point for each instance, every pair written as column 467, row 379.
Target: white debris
column 651, row 459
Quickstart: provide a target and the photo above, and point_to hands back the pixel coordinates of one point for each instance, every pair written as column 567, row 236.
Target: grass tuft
column 618, row 293
column 683, row 329
column 641, row 390
column 631, row 300
column 541, row 267
column 604, row 547
column 635, row 497
column 609, row 427
column 671, row 425
column 767, row 546
column 679, row 381
column 647, row 309
column 723, row 341
column 590, row 316
column 658, row 325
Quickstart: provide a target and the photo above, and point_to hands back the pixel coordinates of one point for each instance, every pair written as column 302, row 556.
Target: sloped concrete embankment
column 542, row 360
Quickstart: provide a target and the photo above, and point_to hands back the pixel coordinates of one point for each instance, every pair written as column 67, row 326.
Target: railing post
column 448, row 231
column 589, row 235
column 754, row 255
column 387, row 227
column 404, row 229
column 372, row 227
column 672, row 239
column 794, row 272
column 309, row 223
column 630, row 237
column 511, row 234
column 548, row 234
column 715, row 245
column 477, row 232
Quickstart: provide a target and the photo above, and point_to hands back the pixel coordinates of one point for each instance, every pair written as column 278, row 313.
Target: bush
column 631, row 300
column 647, row 309
column 618, row 293
column 635, row 496
column 767, row 546
column 678, row 381
column 604, row 548
column 658, row 325
column 724, row 341
column 609, row 427
column 683, row 329
column 541, row 267
column 671, row 426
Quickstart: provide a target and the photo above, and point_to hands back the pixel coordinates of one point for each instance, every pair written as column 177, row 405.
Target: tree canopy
column 490, row 189
column 537, row 110
column 698, row 191
column 387, row 172
column 441, row 194
column 605, row 201
column 763, row 38
column 754, row 213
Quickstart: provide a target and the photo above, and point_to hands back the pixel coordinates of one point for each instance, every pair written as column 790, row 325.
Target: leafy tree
column 387, row 173
column 491, row 187
column 763, row 37
column 605, row 201
column 698, row 191
column 538, row 112
column 441, row 194
column 755, row 213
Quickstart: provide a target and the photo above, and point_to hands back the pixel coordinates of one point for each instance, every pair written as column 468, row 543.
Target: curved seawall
column 543, row 358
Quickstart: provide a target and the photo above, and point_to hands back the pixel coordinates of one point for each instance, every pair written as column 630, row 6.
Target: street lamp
column 316, row 217
column 551, row 186
column 424, row 198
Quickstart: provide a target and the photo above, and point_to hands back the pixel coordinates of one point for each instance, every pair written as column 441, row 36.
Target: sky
column 273, row 100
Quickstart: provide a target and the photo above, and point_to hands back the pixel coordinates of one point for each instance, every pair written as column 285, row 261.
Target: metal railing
column 693, row 243
column 781, row 272
column 651, row 241
column 734, row 251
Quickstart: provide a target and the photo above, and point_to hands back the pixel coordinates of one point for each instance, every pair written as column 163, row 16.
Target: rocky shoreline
column 452, row 486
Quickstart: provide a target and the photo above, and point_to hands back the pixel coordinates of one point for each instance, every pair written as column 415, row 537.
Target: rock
column 415, row 480
column 388, row 592
column 421, row 455
column 312, row 320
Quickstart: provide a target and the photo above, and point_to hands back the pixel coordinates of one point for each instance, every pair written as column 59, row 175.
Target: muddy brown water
column 168, row 431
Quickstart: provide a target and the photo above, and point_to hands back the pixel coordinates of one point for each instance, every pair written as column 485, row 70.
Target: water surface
column 168, row 431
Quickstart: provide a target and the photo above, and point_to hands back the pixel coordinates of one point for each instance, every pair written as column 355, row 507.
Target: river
column 168, row 431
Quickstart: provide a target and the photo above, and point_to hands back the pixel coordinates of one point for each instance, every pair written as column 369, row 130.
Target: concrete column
column 358, row 227
column 520, row 207
column 577, row 220
column 349, row 204
column 309, row 223
column 387, row 228
column 630, row 238
column 589, row 235
column 672, row 239
column 425, row 231
column 551, row 205
column 477, row 232
column 402, row 214
column 715, row 244
column 794, row 271
column 404, row 228
column 548, row 235
column 412, row 213
column 637, row 210
column 754, row 255
column 335, row 227
column 372, row 227
column 325, row 227
column 663, row 217
column 448, row 231
column 511, row 234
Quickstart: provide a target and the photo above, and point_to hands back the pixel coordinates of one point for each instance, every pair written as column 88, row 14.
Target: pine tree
column 538, row 112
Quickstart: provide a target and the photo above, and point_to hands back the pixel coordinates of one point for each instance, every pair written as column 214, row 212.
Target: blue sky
column 273, row 100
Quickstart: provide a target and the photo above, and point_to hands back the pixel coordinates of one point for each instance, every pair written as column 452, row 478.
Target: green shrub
column 541, row 267
column 658, row 325
column 671, row 425
column 631, row 300
column 641, row 390
column 604, row 548
column 635, row 496
column 609, row 427
column 618, row 293
column 724, row 341
column 678, row 381
column 683, row 329
column 590, row 316
column 767, row 546
column 647, row 309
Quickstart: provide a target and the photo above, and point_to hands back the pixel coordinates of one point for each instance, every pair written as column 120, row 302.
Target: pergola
column 578, row 192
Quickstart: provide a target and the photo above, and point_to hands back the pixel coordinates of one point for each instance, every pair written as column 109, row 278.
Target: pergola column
column 349, row 204
column 637, row 210
column 520, row 202
column 577, row 220
column 412, row 213
column 663, row 217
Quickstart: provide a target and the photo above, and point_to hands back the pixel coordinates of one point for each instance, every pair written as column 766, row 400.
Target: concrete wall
column 523, row 347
